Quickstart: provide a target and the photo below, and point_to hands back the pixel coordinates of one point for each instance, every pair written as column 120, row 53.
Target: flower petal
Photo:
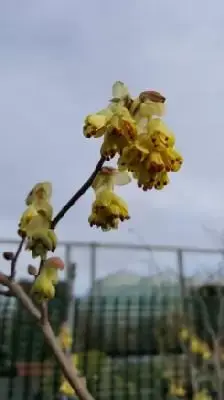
column 150, row 109
column 119, row 90
column 122, row 178
column 97, row 120
column 44, row 187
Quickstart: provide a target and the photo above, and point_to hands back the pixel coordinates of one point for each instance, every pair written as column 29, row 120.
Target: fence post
column 93, row 256
column 181, row 278
column 67, row 258
column 71, row 295
column 185, row 310
column 70, row 273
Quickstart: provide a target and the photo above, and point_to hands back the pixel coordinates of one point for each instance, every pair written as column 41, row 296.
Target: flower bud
column 152, row 95
column 32, row 270
column 8, row 255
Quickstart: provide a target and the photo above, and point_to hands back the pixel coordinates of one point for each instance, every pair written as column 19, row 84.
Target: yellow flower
column 65, row 337
column 44, row 208
column 121, row 130
column 40, row 241
column 112, row 145
column 95, row 124
column 155, row 162
column 66, row 388
column 29, row 214
column 41, row 191
column 177, row 390
column 132, row 157
column 36, row 219
column 195, row 345
column 120, row 93
column 103, row 220
column 32, row 220
column 145, row 179
column 205, row 351
column 172, row 160
column 159, row 135
column 108, row 208
column 202, row 395
column 184, row 334
column 43, row 288
column 161, row 180
column 115, row 123
column 206, row 354
column 151, row 156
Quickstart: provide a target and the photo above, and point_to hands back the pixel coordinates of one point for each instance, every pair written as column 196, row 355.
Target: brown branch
column 78, row 194
column 15, row 258
column 44, row 313
column 70, row 372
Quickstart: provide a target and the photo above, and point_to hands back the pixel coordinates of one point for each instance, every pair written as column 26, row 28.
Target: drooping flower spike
column 43, row 288
column 35, row 222
column 108, row 209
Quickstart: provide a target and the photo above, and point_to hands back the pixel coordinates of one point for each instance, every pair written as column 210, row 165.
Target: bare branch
column 70, row 372
column 15, row 258
column 78, row 194
column 44, row 314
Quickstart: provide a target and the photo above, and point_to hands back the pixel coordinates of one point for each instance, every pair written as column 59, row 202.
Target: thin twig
column 15, row 258
column 70, row 372
column 42, row 261
column 78, row 194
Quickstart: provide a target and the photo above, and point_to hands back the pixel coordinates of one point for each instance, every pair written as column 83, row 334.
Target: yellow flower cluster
column 202, row 395
column 65, row 338
column 133, row 130
column 43, row 288
column 65, row 388
column 178, row 391
column 65, row 342
column 108, row 209
column 195, row 344
column 35, row 222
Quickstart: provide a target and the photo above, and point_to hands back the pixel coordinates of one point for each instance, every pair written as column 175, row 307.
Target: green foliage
column 90, row 363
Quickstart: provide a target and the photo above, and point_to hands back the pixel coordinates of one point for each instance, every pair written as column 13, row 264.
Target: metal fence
column 116, row 342
column 126, row 348
column 95, row 261
column 127, row 342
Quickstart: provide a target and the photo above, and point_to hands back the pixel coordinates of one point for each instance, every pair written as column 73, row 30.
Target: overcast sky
column 59, row 60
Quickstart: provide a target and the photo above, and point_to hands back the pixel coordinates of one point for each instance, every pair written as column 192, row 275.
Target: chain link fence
column 126, row 321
